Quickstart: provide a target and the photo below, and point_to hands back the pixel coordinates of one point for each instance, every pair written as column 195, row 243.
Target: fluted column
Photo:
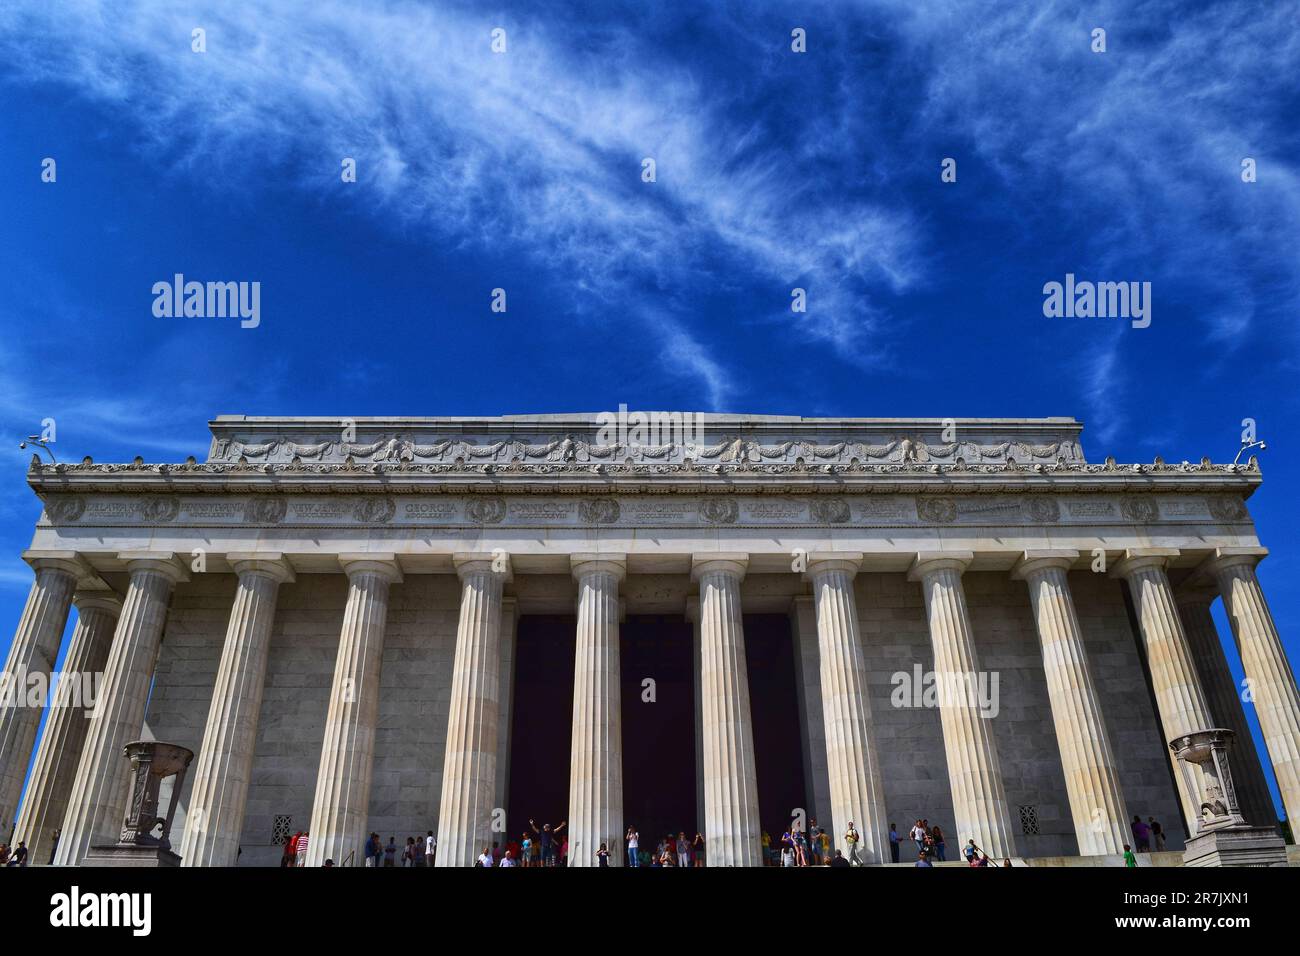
column 59, row 752
column 1087, row 758
column 596, row 765
column 1272, row 682
column 853, row 766
column 34, row 649
column 505, row 713
column 979, row 802
column 340, row 810
column 101, row 788
column 469, row 766
column 1223, row 698
column 731, row 825
column 1179, row 698
column 693, row 616
column 224, row 764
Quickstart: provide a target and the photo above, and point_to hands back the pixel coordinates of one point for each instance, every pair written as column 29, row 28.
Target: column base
column 1236, row 846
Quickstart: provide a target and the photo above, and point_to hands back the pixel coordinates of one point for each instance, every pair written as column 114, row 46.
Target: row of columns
column 80, row 780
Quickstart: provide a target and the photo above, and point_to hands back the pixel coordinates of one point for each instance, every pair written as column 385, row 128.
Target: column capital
column 97, row 600
column 824, row 562
column 70, row 562
column 1138, row 559
column 1032, row 562
column 1223, row 558
column 272, row 564
column 727, row 562
column 160, row 562
column 471, row 562
column 371, row 562
column 615, row 564
column 928, row 562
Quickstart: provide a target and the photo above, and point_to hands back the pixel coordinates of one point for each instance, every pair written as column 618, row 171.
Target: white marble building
column 326, row 612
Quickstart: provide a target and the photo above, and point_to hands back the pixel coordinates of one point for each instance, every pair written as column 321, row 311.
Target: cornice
column 741, row 477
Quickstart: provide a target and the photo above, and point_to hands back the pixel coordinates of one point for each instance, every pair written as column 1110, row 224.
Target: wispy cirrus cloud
column 537, row 150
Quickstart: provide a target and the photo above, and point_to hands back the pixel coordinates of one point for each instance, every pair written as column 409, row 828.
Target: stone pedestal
column 340, row 811
column 1223, row 837
column 596, row 764
column 33, row 652
column 217, row 800
column 1088, row 762
column 731, row 826
column 853, row 767
column 101, row 789
column 469, row 770
column 138, row 846
column 979, row 803
column 46, row 803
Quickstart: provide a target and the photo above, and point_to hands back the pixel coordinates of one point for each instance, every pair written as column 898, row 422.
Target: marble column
column 101, row 787
column 65, row 729
column 979, row 802
column 340, row 813
column 732, row 832
column 596, row 764
column 34, row 649
column 853, row 765
column 224, row 765
column 693, row 616
column 1087, row 758
column 1222, row 697
column 1271, row 680
column 468, row 802
column 1180, row 702
column 807, row 671
column 509, row 628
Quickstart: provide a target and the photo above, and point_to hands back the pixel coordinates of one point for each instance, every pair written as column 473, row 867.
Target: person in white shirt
column 430, row 844
column 485, row 858
column 633, row 843
column 507, row 860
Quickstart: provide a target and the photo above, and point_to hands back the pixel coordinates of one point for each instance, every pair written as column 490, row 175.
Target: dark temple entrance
column 659, row 760
column 658, row 737
column 541, row 721
column 774, row 710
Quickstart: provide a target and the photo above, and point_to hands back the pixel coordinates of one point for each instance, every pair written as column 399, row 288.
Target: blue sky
column 522, row 170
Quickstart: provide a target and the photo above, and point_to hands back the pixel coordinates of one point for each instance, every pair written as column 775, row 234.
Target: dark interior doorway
column 541, row 721
column 774, row 709
column 658, row 736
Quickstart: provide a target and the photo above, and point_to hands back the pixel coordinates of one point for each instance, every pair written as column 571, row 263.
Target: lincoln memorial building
column 399, row 625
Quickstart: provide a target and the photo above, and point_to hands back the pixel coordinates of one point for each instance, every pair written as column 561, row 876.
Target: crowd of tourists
column 548, row 846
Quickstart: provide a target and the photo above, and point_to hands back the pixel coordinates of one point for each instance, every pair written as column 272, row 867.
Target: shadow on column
column 658, row 737
column 542, row 721
column 774, row 706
